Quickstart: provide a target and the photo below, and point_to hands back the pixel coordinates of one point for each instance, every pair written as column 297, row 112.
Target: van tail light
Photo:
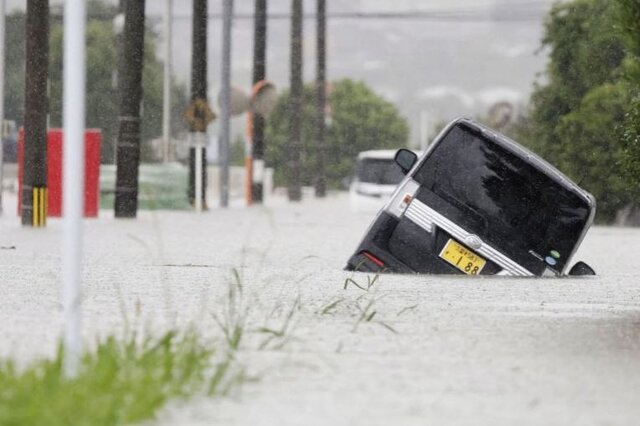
column 372, row 258
column 402, row 197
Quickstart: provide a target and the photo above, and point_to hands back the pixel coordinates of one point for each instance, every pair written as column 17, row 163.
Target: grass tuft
column 120, row 382
column 363, row 287
column 278, row 337
column 232, row 322
column 328, row 309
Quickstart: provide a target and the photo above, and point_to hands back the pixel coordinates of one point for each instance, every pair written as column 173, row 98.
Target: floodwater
column 437, row 350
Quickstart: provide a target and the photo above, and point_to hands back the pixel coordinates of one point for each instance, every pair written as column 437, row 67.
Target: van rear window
column 508, row 202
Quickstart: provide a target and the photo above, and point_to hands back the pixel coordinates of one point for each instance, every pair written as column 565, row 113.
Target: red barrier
column 93, row 139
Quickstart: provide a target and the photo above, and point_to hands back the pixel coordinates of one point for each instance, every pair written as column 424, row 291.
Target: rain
column 319, row 212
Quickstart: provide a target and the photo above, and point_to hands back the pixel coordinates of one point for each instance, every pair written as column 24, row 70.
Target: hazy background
column 465, row 56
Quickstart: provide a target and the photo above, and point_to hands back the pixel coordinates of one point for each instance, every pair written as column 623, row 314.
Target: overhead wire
column 477, row 15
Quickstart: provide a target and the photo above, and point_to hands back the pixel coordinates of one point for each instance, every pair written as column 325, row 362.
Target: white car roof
column 386, row 154
column 382, row 154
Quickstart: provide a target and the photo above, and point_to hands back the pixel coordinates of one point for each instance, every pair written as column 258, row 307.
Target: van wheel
column 581, row 268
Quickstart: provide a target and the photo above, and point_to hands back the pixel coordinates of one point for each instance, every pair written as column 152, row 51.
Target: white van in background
column 376, row 177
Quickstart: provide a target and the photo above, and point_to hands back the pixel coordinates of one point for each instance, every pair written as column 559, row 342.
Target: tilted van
column 478, row 203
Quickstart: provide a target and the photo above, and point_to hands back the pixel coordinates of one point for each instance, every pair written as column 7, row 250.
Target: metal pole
column 424, row 130
column 199, row 141
column 257, row 124
column 321, row 180
column 166, row 98
column 2, row 32
column 225, row 113
column 128, row 148
column 198, row 94
column 73, row 152
column 118, row 72
column 36, row 105
column 295, row 103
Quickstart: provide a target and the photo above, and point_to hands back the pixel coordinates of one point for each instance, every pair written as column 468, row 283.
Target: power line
column 407, row 15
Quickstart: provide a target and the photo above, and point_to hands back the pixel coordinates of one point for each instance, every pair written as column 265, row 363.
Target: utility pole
column 225, row 112
column 295, row 103
column 74, row 120
column 128, row 144
column 257, row 120
column 321, row 99
column 36, row 105
column 3, row 11
column 116, row 77
column 200, row 107
column 166, row 98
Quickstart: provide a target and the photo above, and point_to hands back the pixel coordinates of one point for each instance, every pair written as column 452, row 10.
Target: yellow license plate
column 462, row 258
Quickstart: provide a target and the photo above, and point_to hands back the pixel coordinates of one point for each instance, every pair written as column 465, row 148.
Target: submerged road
column 409, row 350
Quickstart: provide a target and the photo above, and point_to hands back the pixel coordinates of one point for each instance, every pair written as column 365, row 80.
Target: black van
column 477, row 203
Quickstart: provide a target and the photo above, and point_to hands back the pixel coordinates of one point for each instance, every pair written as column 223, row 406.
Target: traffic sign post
column 198, row 141
column 258, row 105
column 262, row 102
column 198, row 115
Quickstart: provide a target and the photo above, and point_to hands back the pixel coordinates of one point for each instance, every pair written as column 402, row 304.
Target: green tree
column 102, row 101
column 629, row 14
column 575, row 116
column 14, row 67
column 593, row 129
column 359, row 120
column 237, row 152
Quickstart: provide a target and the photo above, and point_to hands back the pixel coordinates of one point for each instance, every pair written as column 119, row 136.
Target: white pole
column 198, row 136
column 424, row 130
column 166, row 97
column 73, row 175
column 2, row 32
column 225, row 107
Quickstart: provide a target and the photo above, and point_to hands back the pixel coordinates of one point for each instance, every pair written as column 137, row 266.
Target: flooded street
column 386, row 350
column 212, row 286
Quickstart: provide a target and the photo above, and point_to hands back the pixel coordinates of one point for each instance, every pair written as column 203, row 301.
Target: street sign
column 239, row 101
column 198, row 115
column 264, row 98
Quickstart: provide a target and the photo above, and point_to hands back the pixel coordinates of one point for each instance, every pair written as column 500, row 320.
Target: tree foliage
column 629, row 14
column 575, row 116
column 102, row 101
column 14, row 67
column 359, row 120
column 592, row 129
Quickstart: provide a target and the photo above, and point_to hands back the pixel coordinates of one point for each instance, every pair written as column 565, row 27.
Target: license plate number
column 462, row 258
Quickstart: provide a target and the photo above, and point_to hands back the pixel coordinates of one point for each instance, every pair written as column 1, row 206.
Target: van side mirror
column 405, row 159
